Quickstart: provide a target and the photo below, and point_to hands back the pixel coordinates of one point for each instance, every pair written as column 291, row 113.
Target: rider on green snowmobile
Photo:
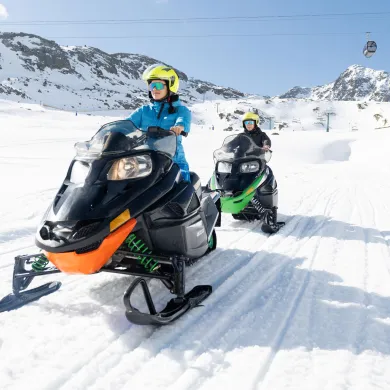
column 250, row 122
column 247, row 192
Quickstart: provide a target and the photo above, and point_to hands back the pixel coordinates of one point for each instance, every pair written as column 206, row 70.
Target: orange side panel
column 91, row 262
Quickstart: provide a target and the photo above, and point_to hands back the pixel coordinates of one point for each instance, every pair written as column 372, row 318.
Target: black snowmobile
column 124, row 209
column 246, row 183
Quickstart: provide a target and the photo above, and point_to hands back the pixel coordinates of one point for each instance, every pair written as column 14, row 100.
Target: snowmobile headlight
column 224, row 167
column 249, row 167
column 131, row 168
column 79, row 172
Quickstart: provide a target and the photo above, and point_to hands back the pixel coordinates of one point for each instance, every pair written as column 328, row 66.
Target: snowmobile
column 245, row 182
column 123, row 208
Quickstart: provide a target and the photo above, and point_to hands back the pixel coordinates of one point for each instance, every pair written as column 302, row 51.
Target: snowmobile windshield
column 123, row 136
column 239, row 146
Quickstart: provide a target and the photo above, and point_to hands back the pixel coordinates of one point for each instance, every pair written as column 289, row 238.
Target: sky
column 250, row 57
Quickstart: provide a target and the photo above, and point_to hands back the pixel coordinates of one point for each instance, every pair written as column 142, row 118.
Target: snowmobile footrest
column 271, row 229
column 15, row 301
column 175, row 308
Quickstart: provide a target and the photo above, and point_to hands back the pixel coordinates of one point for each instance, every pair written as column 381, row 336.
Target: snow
column 307, row 308
column 295, row 115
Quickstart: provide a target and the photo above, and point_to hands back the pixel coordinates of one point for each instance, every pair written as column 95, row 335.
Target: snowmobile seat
column 195, row 181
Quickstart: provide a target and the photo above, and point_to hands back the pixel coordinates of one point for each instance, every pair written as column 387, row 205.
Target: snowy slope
column 37, row 70
column 355, row 83
column 307, row 308
column 294, row 115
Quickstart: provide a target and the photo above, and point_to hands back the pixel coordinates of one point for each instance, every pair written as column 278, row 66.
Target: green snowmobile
column 247, row 185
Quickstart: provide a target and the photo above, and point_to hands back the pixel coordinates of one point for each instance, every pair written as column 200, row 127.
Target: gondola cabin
column 369, row 49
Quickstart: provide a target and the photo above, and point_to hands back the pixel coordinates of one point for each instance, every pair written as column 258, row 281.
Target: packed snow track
column 306, row 308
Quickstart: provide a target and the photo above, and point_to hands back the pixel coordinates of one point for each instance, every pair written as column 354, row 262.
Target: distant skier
column 212, row 127
column 250, row 122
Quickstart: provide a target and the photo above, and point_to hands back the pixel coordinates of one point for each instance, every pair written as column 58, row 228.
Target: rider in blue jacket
column 165, row 110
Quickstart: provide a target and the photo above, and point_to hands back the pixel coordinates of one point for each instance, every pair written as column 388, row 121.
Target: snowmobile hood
column 126, row 174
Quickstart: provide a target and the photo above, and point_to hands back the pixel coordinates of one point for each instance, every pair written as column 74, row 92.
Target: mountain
column 355, row 83
column 80, row 78
column 85, row 78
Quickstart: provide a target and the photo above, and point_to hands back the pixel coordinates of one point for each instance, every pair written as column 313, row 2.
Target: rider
column 165, row 110
column 250, row 122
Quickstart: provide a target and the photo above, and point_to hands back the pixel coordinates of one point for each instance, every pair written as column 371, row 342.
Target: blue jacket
column 146, row 116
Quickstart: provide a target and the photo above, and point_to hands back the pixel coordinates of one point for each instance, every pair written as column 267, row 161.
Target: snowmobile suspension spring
column 259, row 208
column 137, row 246
column 40, row 263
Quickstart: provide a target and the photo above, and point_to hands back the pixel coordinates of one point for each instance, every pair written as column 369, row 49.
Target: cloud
column 3, row 12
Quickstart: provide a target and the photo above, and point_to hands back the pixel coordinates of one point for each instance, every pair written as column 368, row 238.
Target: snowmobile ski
column 15, row 301
column 22, row 278
column 271, row 229
column 270, row 224
column 174, row 309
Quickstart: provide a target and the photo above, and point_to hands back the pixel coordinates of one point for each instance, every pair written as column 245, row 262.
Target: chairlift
column 370, row 47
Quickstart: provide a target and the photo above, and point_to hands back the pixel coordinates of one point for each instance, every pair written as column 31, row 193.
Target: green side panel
column 234, row 205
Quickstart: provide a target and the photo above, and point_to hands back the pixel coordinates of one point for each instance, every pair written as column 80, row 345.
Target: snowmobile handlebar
column 160, row 132
column 157, row 132
column 152, row 132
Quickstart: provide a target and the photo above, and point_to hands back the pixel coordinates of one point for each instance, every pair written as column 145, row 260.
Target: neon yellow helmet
column 162, row 72
column 251, row 116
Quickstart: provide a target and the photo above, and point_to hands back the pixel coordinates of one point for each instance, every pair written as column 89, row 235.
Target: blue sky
column 264, row 65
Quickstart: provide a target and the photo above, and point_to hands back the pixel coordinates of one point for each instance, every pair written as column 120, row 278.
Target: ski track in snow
column 307, row 308
column 303, row 289
column 212, row 330
column 295, row 300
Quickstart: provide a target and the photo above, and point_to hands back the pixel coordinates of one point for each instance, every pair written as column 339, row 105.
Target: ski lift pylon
column 370, row 47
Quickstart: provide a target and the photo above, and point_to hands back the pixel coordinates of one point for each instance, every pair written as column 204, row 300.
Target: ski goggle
column 158, row 85
column 249, row 122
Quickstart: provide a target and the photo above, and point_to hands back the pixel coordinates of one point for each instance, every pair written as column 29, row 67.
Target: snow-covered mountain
column 34, row 69
column 355, row 83
column 80, row 77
